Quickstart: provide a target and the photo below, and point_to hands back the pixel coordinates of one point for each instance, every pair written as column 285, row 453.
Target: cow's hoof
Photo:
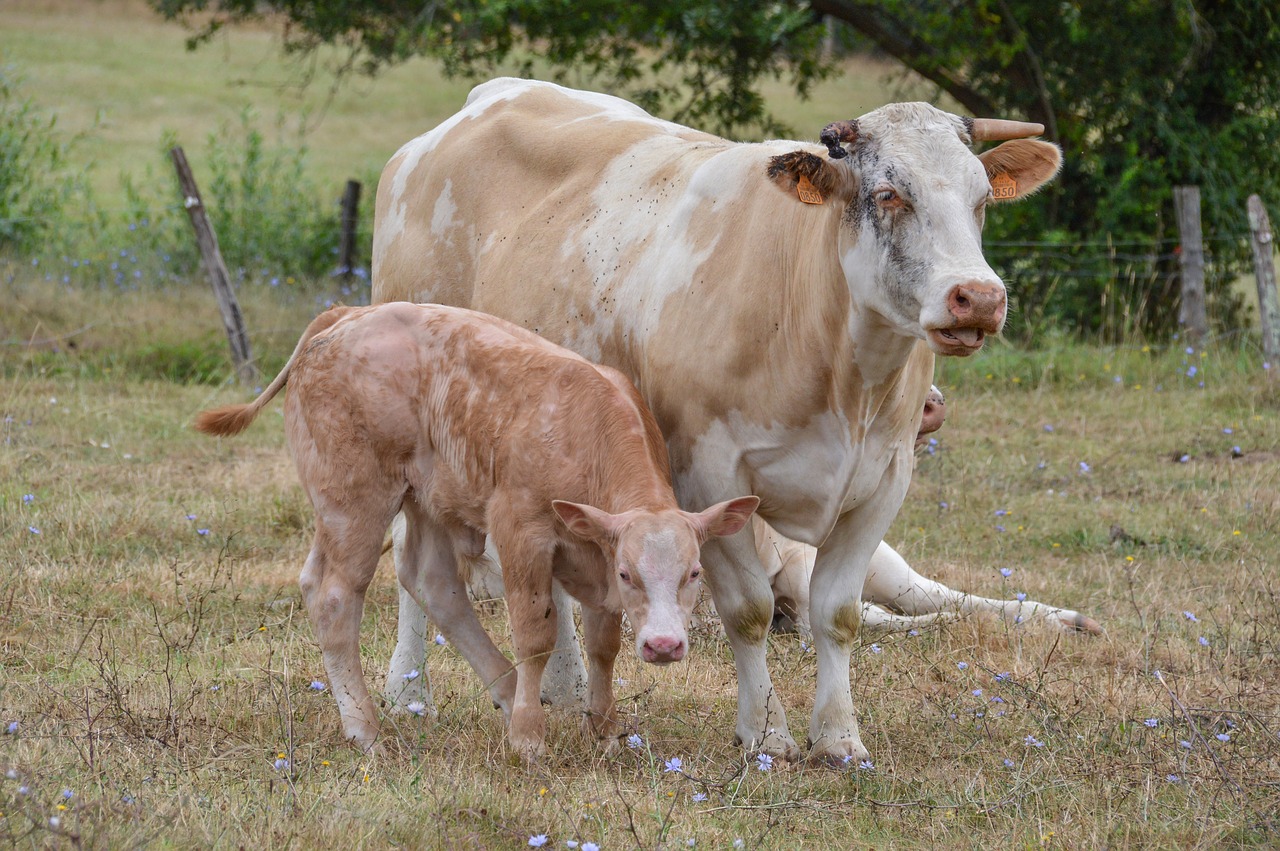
column 839, row 753
column 775, row 744
column 1077, row 622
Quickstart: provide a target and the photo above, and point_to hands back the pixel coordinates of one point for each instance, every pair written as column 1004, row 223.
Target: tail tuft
column 229, row 419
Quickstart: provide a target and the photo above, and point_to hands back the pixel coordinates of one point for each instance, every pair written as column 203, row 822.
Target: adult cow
column 778, row 304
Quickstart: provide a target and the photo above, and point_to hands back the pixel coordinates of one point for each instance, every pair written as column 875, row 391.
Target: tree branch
column 870, row 20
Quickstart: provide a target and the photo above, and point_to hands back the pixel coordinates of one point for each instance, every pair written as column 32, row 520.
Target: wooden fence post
column 350, row 219
column 1191, row 313
column 1264, row 269
column 232, row 319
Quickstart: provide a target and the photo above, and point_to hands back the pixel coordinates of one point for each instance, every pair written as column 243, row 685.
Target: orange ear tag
column 807, row 191
column 1004, row 187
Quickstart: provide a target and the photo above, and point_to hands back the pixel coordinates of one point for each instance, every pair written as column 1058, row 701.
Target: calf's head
column 655, row 565
column 913, row 200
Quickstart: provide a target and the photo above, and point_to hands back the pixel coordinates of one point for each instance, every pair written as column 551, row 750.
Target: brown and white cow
column 779, row 305
column 473, row 427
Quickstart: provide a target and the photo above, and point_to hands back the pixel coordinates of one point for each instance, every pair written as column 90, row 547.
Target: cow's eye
column 888, row 199
column 695, row 573
column 624, row 575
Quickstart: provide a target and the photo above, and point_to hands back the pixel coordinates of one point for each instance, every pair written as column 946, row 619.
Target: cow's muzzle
column 976, row 310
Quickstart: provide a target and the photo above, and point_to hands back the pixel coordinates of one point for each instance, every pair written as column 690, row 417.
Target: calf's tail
column 233, row 419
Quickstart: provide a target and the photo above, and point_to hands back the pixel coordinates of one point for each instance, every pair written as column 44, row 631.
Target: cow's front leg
column 744, row 602
column 602, row 634
column 835, row 602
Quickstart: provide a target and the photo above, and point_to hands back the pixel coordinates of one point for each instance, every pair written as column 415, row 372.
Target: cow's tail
column 233, row 419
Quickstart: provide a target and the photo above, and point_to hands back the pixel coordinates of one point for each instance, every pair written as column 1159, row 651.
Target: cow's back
column 518, row 165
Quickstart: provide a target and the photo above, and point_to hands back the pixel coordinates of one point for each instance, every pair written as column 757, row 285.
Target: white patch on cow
column 654, row 238
column 443, row 216
column 799, row 490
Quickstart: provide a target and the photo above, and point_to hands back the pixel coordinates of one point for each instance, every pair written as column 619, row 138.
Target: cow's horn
column 837, row 132
column 999, row 129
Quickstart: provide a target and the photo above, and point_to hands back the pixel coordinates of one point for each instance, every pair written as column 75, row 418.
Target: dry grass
column 156, row 672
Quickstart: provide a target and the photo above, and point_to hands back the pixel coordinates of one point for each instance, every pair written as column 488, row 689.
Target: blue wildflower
column 673, row 764
column 764, row 762
column 1006, row 572
column 634, row 740
column 537, row 840
column 1152, row 722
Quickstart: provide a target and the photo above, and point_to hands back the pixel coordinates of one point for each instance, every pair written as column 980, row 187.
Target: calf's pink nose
column 663, row 649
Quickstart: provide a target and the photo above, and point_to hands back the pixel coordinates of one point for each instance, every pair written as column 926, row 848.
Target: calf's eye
column 625, row 576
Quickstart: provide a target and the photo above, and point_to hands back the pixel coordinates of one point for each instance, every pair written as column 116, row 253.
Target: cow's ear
column 1020, row 167
column 809, row 178
column 586, row 521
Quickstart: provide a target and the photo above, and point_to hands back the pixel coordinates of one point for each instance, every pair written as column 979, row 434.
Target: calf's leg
column 602, row 634
column 337, row 572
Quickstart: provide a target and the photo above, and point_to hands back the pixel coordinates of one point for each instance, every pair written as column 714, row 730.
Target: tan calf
column 473, row 426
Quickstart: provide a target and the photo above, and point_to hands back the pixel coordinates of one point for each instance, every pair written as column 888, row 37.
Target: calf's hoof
column 530, row 751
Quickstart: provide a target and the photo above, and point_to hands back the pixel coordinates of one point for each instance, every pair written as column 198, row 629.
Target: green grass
column 158, row 673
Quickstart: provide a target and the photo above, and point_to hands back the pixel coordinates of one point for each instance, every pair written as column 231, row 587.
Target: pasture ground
column 156, row 669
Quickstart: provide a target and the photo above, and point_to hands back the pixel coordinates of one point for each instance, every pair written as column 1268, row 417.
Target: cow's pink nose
column 976, row 305
column 663, row 649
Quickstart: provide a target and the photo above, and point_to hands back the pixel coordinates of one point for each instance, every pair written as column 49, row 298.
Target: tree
column 1142, row 95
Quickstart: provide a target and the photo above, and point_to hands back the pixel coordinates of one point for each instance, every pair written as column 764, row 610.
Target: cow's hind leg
column 429, row 572
column 342, row 562
column 408, row 681
column 892, row 582
column 744, row 601
column 602, row 634
column 564, row 683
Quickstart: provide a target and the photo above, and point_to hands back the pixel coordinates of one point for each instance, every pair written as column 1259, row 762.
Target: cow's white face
column 655, row 565
column 915, row 200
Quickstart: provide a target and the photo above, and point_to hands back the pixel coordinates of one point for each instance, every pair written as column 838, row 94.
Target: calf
column 473, row 426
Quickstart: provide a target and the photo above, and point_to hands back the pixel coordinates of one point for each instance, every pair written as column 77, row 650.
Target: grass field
column 157, row 668
column 157, row 671
column 121, row 77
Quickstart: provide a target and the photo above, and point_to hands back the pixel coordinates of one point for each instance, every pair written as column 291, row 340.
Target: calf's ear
column 585, row 521
column 1020, row 167
column 724, row 518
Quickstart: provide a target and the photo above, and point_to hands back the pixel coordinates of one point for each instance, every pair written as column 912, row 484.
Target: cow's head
column 654, row 558
column 914, row 200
